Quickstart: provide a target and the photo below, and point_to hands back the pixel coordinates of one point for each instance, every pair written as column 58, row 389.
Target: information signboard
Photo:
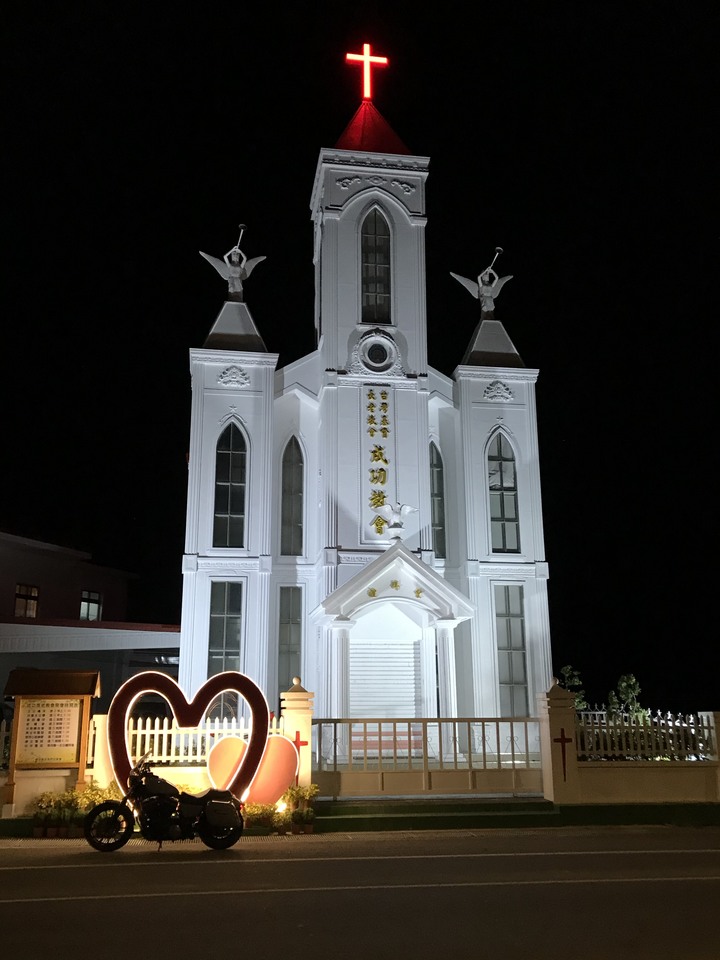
column 48, row 731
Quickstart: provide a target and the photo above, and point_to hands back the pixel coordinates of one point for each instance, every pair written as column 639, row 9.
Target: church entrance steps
column 422, row 814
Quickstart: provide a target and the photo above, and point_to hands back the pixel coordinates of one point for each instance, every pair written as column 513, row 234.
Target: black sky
column 579, row 136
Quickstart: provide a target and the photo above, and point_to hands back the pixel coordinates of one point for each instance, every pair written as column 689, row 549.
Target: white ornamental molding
column 396, row 162
column 404, row 186
column 377, row 353
column 232, row 414
column 357, row 558
column 346, row 182
column 509, row 374
column 233, row 376
column 227, row 565
column 498, row 391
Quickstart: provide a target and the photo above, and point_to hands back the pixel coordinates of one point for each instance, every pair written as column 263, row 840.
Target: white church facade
column 357, row 518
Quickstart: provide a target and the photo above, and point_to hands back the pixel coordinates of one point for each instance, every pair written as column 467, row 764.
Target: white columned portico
column 336, row 669
column 447, row 678
column 395, row 610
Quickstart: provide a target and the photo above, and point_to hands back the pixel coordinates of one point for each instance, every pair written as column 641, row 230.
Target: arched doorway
column 391, row 663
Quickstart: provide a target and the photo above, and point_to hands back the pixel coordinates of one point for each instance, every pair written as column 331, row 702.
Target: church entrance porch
column 390, row 665
column 388, row 647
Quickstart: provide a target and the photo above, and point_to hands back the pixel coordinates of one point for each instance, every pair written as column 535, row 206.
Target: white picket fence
column 659, row 737
column 170, row 744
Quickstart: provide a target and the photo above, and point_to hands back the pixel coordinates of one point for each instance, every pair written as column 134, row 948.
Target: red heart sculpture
column 276, row 772
column 189, row 714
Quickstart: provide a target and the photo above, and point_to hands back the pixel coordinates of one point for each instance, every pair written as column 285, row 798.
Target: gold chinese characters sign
column 48, row 731
column 379, row 428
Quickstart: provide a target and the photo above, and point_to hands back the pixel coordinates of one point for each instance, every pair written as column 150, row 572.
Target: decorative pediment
column 233, row 376
column 498, row 391
column 400, row 577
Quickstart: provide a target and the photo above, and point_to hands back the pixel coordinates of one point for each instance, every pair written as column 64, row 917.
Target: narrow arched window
column 291, row 507
column 502, row 480
column 226, row 615
column 437, row 501
column 230, row 485
column 511, row 650
column 375, row 252
column 289, row 637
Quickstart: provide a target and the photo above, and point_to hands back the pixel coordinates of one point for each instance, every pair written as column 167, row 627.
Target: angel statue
column 234, row 267
column 395, row 516
column 487, row 288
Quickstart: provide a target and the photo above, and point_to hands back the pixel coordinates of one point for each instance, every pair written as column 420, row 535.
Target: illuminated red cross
column 297, row 742
column 563, row 741
column 366, row 61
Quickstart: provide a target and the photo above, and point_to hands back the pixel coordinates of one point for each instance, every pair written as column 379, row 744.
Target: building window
column 90, row 605
column 224, row 642
column 437, row 501
column 502, row 480
column 375, row 252
column 289, row 636
column 26, row 601
column 291, row 509
column 230, row 482
column 512, row 666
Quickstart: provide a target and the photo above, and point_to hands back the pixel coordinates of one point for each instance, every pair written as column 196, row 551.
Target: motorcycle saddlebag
column 222, row 813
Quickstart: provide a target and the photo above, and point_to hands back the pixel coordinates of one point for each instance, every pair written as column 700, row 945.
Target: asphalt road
column 566, row 894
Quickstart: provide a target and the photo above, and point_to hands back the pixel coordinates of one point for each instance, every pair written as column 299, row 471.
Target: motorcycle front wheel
column 108, row 826
column 218, row 838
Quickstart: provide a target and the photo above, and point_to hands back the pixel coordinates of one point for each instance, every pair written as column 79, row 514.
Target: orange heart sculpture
column 189, row 713
column 277, row 769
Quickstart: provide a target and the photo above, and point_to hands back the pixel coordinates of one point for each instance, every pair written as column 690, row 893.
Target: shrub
column 259, row 814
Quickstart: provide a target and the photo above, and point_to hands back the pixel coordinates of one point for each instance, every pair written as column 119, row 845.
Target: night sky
column 579, row 136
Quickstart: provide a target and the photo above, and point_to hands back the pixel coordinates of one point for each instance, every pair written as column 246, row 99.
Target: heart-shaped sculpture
column 276, row 772
column 190, row 714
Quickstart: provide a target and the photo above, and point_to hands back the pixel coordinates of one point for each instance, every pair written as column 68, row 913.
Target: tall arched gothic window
column 230, row 486
column 502, row 480
column 437, row 501
column 291, row 507
column 375, row 253
column 511, row 650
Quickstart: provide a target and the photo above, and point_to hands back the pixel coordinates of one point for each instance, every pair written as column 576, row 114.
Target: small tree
column 623, row 701
column 571, row 681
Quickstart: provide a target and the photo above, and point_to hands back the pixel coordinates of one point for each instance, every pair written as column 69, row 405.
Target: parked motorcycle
column 163, row 812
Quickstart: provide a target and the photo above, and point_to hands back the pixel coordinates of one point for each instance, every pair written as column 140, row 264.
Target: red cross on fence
column 563, row 741
column 297, row 743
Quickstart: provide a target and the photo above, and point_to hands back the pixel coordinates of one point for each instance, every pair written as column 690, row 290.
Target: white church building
column 357, row 518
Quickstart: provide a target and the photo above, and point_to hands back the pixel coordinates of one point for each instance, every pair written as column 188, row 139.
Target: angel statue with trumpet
column 234, row 267
column 487, row 287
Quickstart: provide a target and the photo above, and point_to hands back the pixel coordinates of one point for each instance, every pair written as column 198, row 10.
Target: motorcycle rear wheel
column 218, row 838
column 108, row 826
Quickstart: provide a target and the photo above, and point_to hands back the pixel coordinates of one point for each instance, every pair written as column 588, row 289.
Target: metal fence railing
column 431, row 744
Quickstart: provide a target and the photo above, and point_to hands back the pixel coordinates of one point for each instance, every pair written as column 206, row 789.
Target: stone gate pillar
column 296, row 710
column 556, row 711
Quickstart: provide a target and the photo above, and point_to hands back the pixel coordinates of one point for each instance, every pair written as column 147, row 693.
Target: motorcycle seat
column 202, row 798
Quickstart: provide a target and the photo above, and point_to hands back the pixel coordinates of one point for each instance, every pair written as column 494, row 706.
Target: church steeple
column 491, row 347
column 369, row 132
